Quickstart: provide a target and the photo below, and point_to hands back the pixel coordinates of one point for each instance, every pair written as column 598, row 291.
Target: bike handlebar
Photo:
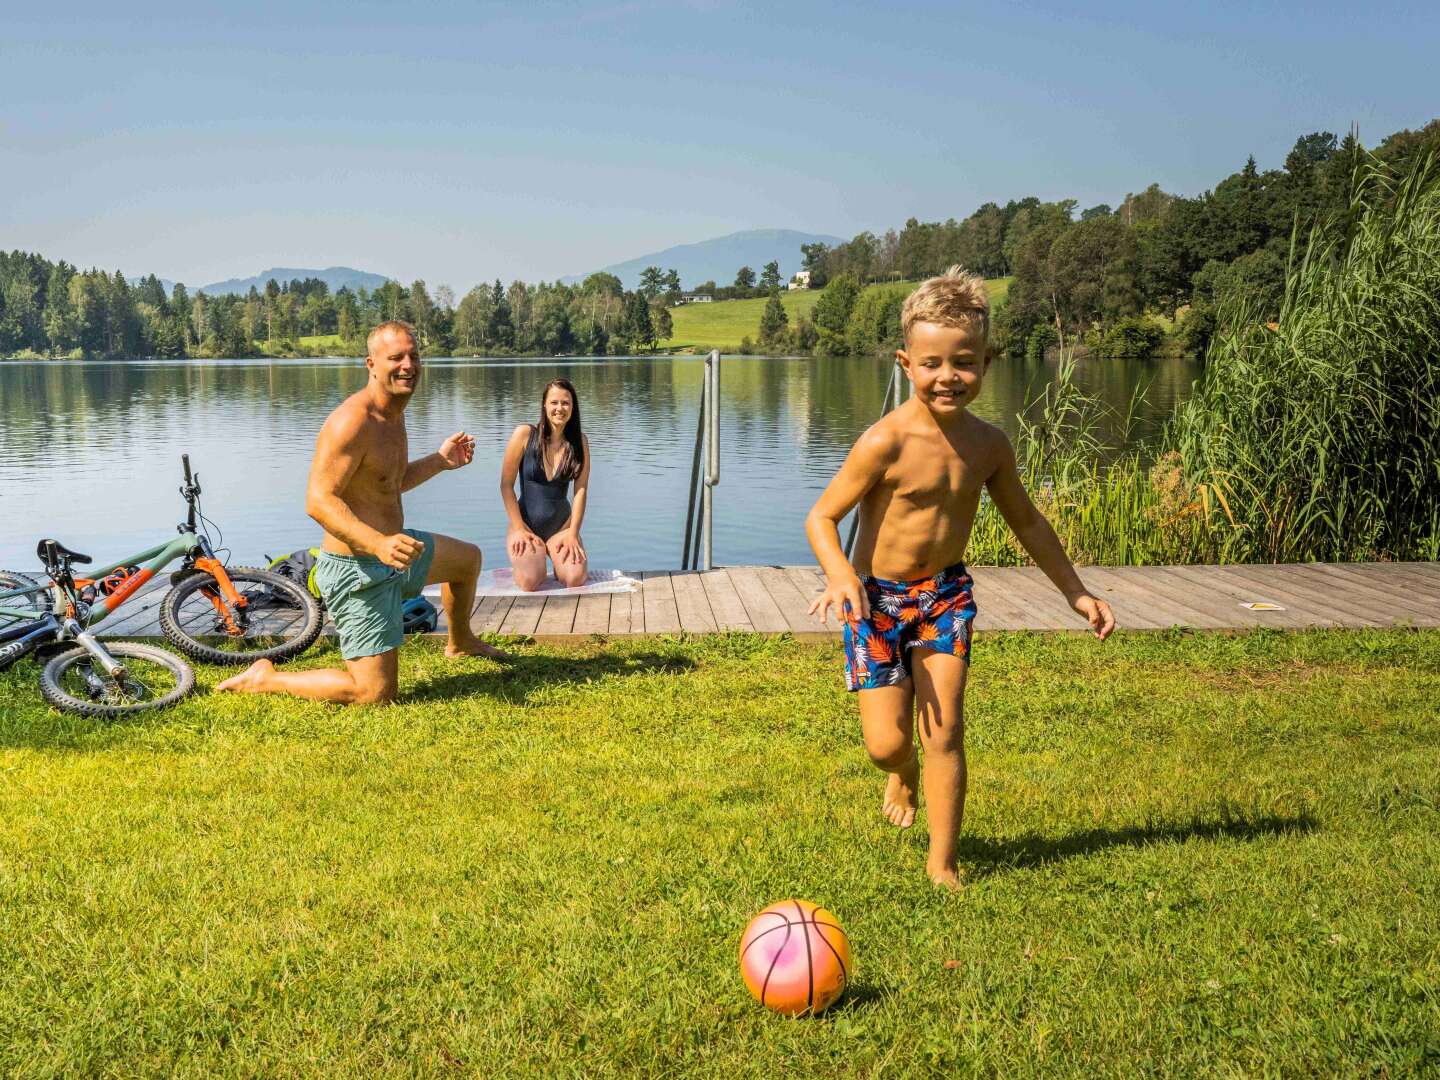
column 185, row 461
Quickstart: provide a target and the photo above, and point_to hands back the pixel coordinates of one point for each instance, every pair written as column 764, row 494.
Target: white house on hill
column 695, row 298
column 801, row 280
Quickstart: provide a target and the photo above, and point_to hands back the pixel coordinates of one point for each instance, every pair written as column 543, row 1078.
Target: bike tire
column 55, row 676
column 10, row 580
column 286, row 619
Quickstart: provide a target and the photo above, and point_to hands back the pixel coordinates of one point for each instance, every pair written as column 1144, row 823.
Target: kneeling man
column 371, row 562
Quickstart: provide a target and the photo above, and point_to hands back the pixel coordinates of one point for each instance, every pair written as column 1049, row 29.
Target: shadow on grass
column 984, row 856
column 515, row 680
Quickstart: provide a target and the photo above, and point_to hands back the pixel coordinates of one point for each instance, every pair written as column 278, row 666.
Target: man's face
column 394, row 363
column 946, row 364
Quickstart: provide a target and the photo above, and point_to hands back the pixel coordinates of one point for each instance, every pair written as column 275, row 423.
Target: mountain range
column 717, row 260
column 337, row 277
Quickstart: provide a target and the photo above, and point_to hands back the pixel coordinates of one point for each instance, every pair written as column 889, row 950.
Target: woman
column 547, row 457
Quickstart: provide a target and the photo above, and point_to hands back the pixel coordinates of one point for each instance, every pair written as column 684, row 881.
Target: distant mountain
column 717, row 260
column 337, row 277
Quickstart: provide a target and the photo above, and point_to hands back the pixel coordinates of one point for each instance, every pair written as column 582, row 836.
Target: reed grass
column 1316, row 438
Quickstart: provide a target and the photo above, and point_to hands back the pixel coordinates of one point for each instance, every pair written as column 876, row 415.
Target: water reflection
column 91, row 450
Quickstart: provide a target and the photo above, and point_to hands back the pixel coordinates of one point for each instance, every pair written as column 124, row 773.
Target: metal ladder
column 699, row 549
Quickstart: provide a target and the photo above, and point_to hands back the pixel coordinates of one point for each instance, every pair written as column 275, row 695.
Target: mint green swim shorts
column 363, row 596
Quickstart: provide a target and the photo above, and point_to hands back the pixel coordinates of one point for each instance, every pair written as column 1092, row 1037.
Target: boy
column 917, row 477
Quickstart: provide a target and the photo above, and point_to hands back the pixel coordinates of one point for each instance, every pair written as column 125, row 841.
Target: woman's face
column 558, row 406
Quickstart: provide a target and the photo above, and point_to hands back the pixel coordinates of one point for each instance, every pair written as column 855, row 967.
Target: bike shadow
column 524, row 675
column 983, row 856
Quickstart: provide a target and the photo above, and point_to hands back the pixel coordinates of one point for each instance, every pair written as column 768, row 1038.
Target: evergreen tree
column 770, row 275
column 773, row 320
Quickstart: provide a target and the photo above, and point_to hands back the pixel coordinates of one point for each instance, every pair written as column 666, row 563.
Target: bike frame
column 186, row 545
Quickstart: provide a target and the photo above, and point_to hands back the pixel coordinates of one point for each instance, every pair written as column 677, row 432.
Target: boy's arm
column 864, row 465
column 1037, row 536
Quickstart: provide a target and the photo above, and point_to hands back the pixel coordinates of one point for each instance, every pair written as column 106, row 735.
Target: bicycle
column 212, row 613
column 92, row 678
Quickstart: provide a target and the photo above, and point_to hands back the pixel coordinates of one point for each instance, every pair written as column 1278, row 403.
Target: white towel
column 502, row 583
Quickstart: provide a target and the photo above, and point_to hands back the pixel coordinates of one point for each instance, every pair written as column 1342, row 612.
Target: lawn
column 721, row 324
column 1187, row 855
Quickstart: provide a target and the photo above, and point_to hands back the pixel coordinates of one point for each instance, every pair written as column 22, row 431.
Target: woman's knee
column 529, row 577
column 572, row 575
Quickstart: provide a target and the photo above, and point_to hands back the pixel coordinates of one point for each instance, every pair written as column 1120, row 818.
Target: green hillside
column 722, row 324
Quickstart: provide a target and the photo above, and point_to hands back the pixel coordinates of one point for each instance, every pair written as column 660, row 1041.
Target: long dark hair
column 572, row 457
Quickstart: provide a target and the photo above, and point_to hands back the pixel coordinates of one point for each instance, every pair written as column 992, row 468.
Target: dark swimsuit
column 544, row 504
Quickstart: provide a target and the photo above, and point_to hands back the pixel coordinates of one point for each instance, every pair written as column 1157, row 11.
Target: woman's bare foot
column 946, row 877
column 251, row 680
column 902, row 794
column 473, row 646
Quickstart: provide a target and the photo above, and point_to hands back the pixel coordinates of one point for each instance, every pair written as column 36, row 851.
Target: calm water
column 91, row 451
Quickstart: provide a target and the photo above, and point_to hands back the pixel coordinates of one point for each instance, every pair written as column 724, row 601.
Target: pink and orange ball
column 795, row 958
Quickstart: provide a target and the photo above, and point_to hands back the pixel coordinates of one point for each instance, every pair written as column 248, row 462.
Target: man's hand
column 568, row 547
column 1097, row 613
column 845, row 592
column 399, row 550
column 520, row 542
column 458, row 450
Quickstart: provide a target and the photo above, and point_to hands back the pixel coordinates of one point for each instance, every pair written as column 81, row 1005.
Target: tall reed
column 1320, row 437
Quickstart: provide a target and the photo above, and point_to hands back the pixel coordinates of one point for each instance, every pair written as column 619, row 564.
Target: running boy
column 906, row 604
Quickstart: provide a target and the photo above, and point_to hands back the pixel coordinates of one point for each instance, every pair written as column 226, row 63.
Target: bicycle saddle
column 49, row 551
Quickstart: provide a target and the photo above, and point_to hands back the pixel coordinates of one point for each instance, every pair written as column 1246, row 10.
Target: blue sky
column 460, row 141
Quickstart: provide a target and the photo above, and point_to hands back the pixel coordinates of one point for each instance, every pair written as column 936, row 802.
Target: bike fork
column 91, row 644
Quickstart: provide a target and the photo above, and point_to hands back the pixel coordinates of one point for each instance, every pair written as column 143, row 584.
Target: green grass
column 1188, row 855
column 721, row 324
column 311, row 345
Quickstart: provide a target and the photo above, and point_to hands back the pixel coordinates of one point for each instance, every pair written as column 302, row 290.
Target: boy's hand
column 847, row 592
column 1097, row 613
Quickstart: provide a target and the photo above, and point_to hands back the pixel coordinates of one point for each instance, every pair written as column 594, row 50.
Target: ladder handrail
column 699, row 545
column 893, row 389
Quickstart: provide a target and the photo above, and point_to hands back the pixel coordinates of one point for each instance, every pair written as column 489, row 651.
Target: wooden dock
column 774, row 599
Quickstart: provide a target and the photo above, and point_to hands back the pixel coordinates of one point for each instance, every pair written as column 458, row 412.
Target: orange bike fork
column 227, row 593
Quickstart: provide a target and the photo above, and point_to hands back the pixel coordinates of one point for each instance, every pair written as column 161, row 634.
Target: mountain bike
column 212, row 613
column 93, row 678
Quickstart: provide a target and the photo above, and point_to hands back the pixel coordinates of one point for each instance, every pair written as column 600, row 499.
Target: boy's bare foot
column 474, row 647
column 902, row 794
column 250, row 680
column 947, row 878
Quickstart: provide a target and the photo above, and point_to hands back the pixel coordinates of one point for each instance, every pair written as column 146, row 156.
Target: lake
column 91, row 450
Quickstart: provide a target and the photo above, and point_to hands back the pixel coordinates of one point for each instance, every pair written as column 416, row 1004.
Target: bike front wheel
column 154, row 679
column 280, row 618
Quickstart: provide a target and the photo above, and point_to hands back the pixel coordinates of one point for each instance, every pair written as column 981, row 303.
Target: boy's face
column 946, row 365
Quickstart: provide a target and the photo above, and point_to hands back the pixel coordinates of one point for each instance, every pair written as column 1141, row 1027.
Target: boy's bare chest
column 926, row 476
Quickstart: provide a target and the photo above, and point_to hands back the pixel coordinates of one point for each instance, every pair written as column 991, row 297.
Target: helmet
column 418, row 615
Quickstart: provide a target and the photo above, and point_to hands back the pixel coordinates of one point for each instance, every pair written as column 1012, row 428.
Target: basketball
column 795, row 958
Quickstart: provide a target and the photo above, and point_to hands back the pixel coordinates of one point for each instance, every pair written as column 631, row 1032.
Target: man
column 370, row 562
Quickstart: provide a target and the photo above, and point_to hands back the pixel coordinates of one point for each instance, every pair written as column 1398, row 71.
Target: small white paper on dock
column 1260, row 605
column 502, row 583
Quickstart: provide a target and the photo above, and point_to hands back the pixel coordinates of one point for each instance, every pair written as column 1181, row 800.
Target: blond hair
column 379, row 331
column 955, row 298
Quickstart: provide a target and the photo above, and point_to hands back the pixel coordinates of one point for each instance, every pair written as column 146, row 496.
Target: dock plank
column 725, row 602
column 592, row 614
column 1377, row 599
column 764, row 613
column 490, row 612
column 558, row 615
column 691, row 602
column 793, row 604
column 1126, row 594
column 627, row 612
column 523, row 616
column 658, row 596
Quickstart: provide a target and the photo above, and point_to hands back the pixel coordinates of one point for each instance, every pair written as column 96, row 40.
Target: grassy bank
column 1199, row 855
column 721, row 325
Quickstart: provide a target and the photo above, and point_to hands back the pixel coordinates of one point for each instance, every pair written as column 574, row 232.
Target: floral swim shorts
column 933, row 612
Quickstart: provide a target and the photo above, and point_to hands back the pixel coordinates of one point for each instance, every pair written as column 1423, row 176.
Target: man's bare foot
column 473, row 646
column 902, row 795
column 249, row 681
column 947, row 877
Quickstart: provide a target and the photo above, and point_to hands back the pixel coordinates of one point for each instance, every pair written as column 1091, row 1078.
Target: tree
column 1099, row 210
column 652, row 282
column 745, row 278
column 501, row 332
column 671, row 284
column 813, row 258
column 347, row 315
column 639, row 329
column 773, row 320
column 770, row 275
column 832, row 314
column 663, row 322
column 1092, row 270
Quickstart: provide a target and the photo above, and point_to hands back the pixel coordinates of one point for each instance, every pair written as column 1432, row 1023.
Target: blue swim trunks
column 933, row 612
column 363, row 597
